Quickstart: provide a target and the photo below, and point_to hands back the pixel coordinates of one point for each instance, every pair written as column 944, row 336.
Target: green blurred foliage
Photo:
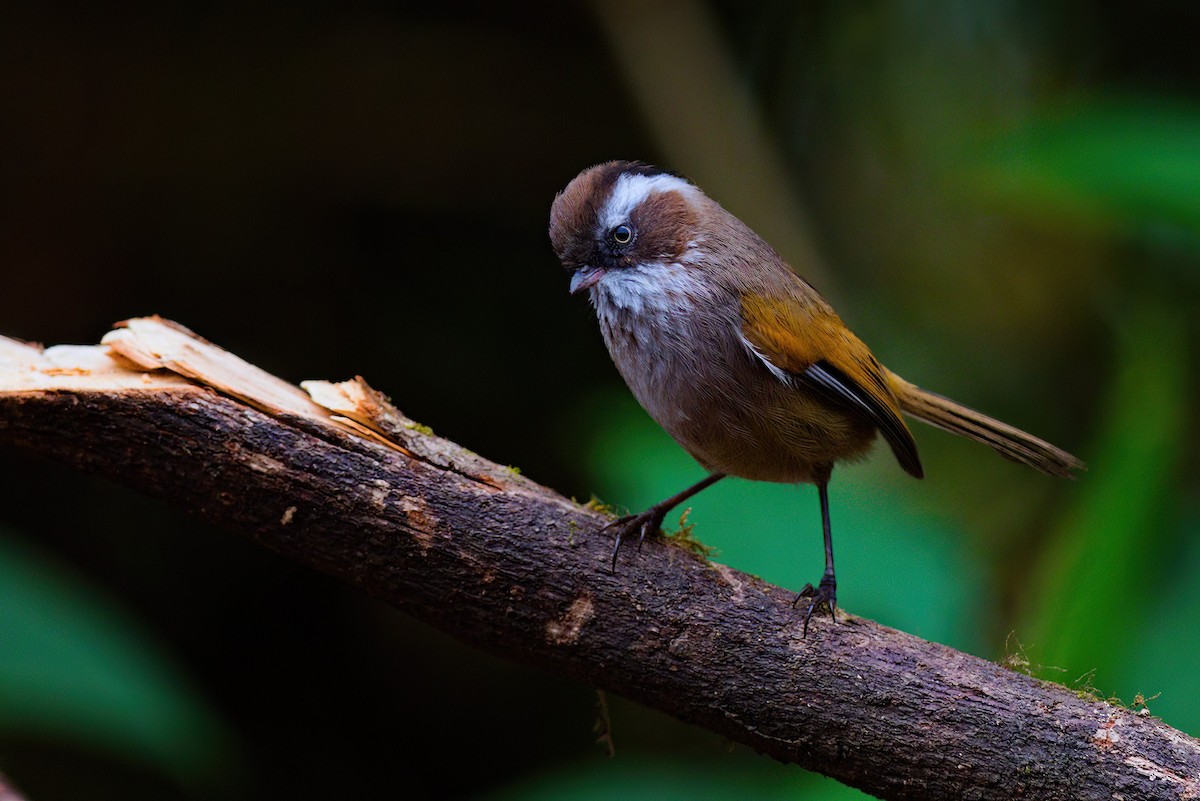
column 1149, row 657
column 664, row 779
column 1004, row 200
column 1085, row 591
column 77, row 669
column 1114, row 163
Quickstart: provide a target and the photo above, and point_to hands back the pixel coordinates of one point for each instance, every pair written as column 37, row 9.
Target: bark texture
column 512, row 567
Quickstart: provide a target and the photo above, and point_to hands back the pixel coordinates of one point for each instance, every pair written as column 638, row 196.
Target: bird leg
column 650, row 521
column 825, row 593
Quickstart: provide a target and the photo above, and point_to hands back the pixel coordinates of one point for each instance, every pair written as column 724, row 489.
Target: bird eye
column 622, row 234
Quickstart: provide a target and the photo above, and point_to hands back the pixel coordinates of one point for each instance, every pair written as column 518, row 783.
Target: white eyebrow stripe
column 630, row 190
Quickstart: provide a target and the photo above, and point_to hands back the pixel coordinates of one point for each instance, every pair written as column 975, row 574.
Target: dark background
column 1002, row 198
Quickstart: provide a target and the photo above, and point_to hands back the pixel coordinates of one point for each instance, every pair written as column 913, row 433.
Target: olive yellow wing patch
column 810, row 349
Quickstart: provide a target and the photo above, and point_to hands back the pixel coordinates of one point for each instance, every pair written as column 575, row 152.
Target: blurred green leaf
column 74, row 667
column 1109, row 162
column 1163, row 640
column 668, row 779
column 1088, row 589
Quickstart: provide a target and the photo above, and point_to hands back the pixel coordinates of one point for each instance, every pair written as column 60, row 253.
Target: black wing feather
column 836, row 387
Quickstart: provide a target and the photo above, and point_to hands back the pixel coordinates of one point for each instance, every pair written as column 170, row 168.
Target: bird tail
column 1008, row 441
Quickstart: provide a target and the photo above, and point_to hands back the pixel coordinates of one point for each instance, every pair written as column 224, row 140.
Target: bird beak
column 585, row 278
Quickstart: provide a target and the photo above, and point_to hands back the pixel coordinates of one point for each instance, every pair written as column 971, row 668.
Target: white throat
column 647, row 288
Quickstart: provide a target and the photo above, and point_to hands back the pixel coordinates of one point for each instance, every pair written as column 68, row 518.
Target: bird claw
column 648, row 522
column 824, row 595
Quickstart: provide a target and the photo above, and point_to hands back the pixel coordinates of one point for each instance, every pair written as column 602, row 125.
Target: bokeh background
column 1001, row 197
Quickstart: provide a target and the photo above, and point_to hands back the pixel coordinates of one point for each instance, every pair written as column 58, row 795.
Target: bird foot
column 648, row 522
column 824, row 595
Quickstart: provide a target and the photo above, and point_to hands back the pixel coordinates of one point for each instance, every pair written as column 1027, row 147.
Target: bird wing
column 808, row 347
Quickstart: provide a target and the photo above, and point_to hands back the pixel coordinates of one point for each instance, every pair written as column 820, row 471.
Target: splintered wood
column 153, row 343
column 152, row 353
column 28, row 367
column 357, row 404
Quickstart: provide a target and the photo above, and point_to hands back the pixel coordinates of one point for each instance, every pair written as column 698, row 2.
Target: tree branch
column 351, row 487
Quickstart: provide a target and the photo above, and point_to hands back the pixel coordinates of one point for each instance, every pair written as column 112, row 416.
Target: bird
column 738, row 357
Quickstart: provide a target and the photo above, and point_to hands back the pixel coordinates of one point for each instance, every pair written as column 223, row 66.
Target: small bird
column 736, row 356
